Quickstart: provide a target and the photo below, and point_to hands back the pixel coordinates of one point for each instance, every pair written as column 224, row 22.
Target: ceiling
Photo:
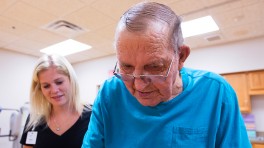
column 26, row 26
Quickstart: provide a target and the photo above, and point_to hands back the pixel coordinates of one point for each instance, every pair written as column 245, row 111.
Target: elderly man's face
column 148, row 54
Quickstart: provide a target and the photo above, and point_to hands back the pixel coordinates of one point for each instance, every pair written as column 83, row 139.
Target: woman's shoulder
column 87, row 107
column 87, row 110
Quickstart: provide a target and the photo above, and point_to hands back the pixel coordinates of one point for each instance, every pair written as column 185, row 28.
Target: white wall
column 234, row 57
column 257, row 105
column 15, row 76
column 91, row 74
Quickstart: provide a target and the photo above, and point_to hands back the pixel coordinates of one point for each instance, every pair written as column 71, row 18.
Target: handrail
column 9, row 109
column 11, row 137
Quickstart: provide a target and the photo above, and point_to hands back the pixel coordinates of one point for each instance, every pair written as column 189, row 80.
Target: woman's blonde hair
column 40, row 108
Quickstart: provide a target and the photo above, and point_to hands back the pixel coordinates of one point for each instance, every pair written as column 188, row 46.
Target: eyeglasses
column 145, row 78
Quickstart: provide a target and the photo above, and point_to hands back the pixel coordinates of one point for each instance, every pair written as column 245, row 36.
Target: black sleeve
column 24, row 134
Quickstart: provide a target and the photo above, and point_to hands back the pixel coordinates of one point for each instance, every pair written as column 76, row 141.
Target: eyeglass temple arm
column 115, row 68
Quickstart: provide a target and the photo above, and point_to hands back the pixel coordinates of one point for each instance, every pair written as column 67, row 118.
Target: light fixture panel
column 66, row 47
column 198, row 26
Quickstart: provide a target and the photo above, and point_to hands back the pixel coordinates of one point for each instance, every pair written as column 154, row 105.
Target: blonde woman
column 57, row 117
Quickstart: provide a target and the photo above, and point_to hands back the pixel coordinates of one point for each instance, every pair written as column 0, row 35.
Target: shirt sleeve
column 232, row 131
column 24, row 134
column 94, row 137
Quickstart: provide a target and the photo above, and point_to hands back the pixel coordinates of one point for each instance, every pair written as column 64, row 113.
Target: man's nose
column 141, row 82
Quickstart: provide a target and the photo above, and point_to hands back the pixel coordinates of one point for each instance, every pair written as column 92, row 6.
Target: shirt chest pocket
column 184, row 137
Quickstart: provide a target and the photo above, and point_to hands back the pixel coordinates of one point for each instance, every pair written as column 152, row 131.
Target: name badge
column 31, row 137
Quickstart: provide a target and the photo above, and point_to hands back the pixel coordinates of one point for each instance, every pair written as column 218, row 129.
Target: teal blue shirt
column 205, row 115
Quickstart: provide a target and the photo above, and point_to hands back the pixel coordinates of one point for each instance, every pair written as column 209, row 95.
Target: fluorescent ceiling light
column 66, row 47
column 199, row 26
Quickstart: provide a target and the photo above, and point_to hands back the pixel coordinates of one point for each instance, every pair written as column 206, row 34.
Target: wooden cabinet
column 256, row 82
column 256, row 145
column 246, row 84
column 239, row 82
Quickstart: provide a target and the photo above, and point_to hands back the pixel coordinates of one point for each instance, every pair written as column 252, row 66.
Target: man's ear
column 184, row 52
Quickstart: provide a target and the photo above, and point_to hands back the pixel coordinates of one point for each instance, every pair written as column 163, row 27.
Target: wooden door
column 256, row 82
column 239, row 83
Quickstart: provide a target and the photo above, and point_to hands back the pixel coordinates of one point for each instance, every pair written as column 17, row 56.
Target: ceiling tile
column 167, row 2
column 253, row 12
column 14, row 27
column 107, row 47
column 258, row 30
column 214, row 3
column 27, row 44
column 238, row 17
column 249, row 2
column 86, row 55
column 191, row 42
column 58, row 8
column 109, row 8
column 28, row 14
column 4, row 4
column 229, row 18
column 2, row 44
column 201, row 40
column 107, row 32
column 244, row 31
column 196, row 15
column 7, row 37
column 180, row 6
column 44, row 36
column 88, row 1
column 97, row 53
column 228, row 6
column 23, row 50
column 89, row 19
column 92, row 38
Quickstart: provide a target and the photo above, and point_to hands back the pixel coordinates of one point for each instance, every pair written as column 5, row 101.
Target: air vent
column 64, row 28
column 213, row 38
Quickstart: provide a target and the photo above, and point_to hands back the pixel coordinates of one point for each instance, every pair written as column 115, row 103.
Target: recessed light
column 66, row 47
column 199, row 26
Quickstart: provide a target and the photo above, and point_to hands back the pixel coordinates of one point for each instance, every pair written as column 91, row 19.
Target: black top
column 72, row 138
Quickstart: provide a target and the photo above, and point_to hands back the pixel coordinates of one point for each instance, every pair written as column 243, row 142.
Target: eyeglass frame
column 119, row 75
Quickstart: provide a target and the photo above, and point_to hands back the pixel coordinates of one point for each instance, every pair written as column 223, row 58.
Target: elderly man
column 153, row 101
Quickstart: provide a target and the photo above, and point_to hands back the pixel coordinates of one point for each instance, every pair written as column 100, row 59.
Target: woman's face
column 148, row 53
column 55, row 86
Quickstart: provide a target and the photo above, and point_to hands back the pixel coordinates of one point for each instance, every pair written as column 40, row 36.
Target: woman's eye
column 59, row 82
column 45, row 86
